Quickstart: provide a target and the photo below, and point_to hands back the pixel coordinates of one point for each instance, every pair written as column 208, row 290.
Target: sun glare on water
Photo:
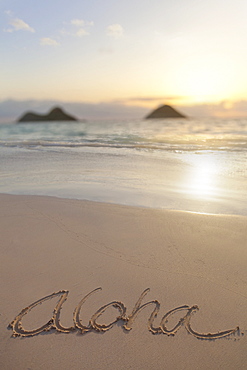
column 202, row 181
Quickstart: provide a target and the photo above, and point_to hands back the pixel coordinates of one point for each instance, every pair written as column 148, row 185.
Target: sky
column 106, row 57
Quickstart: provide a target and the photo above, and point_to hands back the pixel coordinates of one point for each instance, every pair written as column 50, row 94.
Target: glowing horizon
column 147, row 55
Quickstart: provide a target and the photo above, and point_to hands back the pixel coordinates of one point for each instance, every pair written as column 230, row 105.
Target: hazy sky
column 138, row 52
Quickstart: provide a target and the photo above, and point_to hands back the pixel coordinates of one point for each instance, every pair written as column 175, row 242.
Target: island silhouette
column 165, row 111
column 56, row 114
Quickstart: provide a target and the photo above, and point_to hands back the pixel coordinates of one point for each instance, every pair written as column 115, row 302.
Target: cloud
column 115, row 30
column 77, row 28
column 225, row 108
column 47, row 41
column 9, row 13
column 77, row 22
column 81, row 32
column 81, row 22
column 18, row 25
column 151, row 99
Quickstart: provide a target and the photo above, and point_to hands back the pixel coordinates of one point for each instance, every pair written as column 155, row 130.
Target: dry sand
column 50, row 245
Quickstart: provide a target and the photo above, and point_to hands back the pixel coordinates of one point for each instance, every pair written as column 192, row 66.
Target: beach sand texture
column 187, row 260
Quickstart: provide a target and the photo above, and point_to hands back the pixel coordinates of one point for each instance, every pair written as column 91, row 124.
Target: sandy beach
column 123, row 185
column 193, row 264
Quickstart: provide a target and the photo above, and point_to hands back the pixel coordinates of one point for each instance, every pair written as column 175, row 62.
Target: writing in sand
column 94, row 325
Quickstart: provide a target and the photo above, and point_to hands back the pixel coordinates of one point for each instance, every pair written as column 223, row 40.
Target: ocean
column 195, row 165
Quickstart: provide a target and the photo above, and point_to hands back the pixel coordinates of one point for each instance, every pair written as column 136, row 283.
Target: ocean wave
column 173, row 144
column 176, row 135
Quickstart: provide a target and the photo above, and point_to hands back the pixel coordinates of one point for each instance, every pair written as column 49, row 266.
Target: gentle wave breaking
column 181, row 135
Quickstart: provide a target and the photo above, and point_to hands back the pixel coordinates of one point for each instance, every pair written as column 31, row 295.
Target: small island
column 56, row 114
column 165, row 111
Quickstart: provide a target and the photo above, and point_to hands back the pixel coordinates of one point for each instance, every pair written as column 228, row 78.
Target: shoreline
column 185, row 259
column 181, row 181
column 116, row 203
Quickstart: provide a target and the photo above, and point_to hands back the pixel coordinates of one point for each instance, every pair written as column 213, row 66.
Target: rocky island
column 56, row 114
column 165, row 111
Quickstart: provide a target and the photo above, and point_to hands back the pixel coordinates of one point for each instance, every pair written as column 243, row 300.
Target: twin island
column 58, row 114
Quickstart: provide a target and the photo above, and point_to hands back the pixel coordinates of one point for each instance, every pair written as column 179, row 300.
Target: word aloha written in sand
column 54, row 322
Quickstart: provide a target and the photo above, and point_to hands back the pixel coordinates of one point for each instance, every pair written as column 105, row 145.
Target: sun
column 203, row 84
column 205, row 80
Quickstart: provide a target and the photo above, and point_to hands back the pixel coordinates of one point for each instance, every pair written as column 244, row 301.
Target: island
column 165, row 111
column 56, row 114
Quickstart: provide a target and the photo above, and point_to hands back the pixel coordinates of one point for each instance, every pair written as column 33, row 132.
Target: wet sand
column 100, row 286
